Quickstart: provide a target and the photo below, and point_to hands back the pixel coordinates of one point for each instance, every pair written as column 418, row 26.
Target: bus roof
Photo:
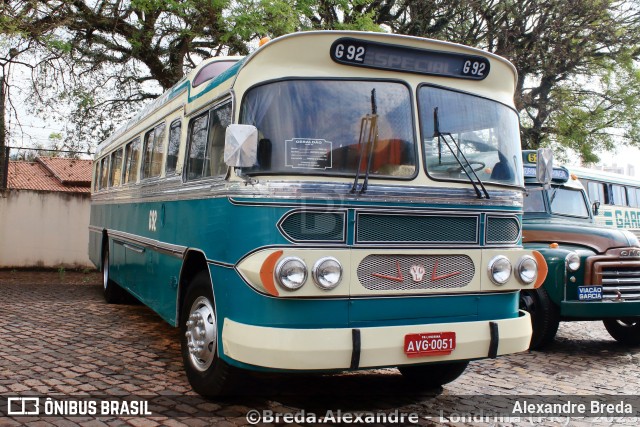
column 308, row 54
column 610, row 177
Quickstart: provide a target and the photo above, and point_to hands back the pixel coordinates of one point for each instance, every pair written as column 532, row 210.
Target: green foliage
column 101, row 60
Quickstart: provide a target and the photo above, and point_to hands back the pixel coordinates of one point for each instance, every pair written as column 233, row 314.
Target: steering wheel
column 476, row 165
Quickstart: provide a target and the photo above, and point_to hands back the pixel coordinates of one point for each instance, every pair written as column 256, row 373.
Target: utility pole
column 4, row 156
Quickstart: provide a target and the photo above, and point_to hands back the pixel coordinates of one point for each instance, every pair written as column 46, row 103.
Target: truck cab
column 594, row 272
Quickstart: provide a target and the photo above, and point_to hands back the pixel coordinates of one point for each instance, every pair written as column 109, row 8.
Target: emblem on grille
column 417, row 272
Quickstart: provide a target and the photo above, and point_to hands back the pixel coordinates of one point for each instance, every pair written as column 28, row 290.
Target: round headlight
column 572, row 261
column 527, row 269
column 327, row 273
column 499, row 269
column 291, row 273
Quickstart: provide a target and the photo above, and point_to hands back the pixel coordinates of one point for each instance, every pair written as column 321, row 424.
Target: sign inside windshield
column 366, row 53
column 308, row 153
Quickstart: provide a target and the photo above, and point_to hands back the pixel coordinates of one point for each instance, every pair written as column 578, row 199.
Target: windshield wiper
column 368, row 130
column 459, row 156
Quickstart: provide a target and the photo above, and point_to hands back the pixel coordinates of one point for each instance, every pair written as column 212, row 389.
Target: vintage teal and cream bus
column 594, row 271
column 333, row 201
column 615, row 198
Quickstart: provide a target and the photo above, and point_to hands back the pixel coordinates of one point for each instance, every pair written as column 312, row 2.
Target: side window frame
column 153, row 147
column 113, row 182
column 175, row 124
column 128, row 158
column 206, row 159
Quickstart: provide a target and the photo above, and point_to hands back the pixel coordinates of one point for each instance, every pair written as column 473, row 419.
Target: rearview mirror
column 241, row 146
column 544, row 166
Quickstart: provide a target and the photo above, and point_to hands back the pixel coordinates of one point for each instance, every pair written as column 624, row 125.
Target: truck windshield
column 485, row 131
column 562, row 201
column 313, row 127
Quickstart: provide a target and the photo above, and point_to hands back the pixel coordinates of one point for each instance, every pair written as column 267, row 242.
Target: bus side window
column 596, row 192
column 220, row 119
column 632, row 196
column 104, row 172
column 153, row 150
column 131, row 157
column 206, row 143
column 173, row 147
column 116, row 168
column 619, row 195
column 198, row 130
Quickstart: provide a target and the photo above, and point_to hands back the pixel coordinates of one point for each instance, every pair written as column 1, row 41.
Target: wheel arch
column 194, row 262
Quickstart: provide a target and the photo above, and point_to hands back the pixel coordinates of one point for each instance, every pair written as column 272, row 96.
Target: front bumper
column 597, row 310
column 336, row 348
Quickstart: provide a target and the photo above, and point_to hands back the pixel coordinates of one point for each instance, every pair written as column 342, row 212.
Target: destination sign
column 558, row 174
column 364, row 53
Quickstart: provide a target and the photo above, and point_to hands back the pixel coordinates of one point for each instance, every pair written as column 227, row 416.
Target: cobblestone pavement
column 59, row 339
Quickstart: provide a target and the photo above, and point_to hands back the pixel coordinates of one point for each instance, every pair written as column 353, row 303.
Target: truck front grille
column 619, row 280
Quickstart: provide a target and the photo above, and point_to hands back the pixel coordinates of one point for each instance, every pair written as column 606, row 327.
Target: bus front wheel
column 625, row 330
column 545, row 316
column 431, row 376
column 207, row 373
column 113, row 293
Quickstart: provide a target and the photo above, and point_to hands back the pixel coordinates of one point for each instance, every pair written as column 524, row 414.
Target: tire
column 625, row 330
column 545, row 316
column 113, row 293
column 208, row 375
column 432, row 376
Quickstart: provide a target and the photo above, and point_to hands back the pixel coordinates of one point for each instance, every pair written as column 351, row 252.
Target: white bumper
column 325, row 349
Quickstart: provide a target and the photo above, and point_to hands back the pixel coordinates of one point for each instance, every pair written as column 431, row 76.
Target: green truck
column 594, row 272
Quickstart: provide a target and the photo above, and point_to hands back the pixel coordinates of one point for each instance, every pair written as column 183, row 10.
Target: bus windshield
column 319, row 127
column 484, row 131
column 563, row 201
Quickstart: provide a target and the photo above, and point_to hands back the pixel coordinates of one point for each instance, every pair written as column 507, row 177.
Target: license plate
column 589, row 293
column 429, row 344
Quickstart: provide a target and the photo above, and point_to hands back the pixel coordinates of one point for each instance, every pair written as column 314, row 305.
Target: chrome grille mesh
column 396, row 266
column 409, row 228
column 502, row 230
column 620, row 282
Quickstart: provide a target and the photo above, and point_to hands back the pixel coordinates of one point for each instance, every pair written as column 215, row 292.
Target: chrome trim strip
column 173, row 189
column 220, row 264
column 133, row 248
column 95, row 229
column 326, row 211
column 156, row 245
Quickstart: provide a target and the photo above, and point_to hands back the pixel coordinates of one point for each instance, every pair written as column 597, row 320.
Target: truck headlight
column 327, row 273
column 499, row 269
column 291, row 273
column 572, row 261
column 527, row 269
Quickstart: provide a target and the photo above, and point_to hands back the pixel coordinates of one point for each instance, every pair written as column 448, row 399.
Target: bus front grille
column 411, row 272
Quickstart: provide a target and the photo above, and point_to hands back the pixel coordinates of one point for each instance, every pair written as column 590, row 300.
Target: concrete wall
column 40, row 229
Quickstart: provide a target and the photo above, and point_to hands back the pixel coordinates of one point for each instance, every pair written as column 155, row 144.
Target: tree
column 577, row 84
column 574, row 59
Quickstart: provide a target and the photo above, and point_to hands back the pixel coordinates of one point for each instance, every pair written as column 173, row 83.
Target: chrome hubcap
column 201, row 334
column 105, row 271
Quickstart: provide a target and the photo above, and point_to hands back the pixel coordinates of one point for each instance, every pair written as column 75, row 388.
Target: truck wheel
column 545, row 316
column 625, row 330
column 207, row 373
column 435, row 375
column 113, row 293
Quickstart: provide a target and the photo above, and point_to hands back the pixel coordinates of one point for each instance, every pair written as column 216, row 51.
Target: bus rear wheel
column 208, row 375
column 435, row 375
column 113, row 293
column 625, row 330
